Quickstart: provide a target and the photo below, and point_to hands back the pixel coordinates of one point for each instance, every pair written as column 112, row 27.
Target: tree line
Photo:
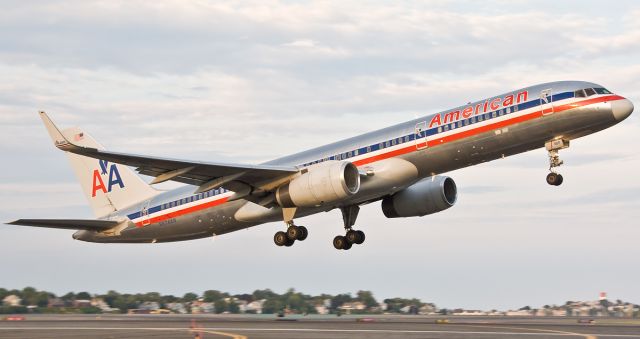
column 33, row 300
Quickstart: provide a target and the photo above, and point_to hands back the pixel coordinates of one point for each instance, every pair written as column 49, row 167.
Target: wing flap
column 68, row 224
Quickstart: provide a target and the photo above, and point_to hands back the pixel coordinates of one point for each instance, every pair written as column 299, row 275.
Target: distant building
column 103, row 306
column 12, row 300
column 55, row 302
column 82, row 303
column 321, row 309
column 428, row 309
column 199, row 306
column 352, row 306
column 177, row 307
column 149, row 305
column 518, row 313
column 255, row 306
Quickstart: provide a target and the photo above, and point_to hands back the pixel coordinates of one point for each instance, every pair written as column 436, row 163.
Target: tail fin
column 109, row 187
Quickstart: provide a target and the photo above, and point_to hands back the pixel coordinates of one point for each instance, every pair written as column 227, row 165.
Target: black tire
column 352, row 236
column 347, row 245
column 280, row 238
column 361, row 237
column 339, row 242
column 552, row 179
column 559, row 180
column 289, row 243
column 293, row 232
column 303, row 233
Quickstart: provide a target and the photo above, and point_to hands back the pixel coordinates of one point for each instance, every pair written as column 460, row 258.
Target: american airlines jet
column 401, row 166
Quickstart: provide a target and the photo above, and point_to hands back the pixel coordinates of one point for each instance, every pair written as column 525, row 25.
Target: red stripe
column 486, row 128
column 413, row 147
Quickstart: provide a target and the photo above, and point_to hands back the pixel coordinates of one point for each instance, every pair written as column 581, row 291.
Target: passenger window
column 494, row 114
column 439, row 129
column 589, row 91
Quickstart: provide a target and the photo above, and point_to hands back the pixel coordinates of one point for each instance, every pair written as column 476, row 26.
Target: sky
column 251, row 81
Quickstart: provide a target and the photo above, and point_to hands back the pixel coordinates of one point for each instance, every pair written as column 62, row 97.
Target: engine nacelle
column 324, row 183
column 427, row 196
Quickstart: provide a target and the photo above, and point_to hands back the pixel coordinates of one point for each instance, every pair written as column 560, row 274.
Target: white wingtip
column 58, row 138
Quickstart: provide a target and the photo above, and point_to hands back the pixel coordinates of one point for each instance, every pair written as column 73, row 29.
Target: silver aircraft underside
column 400, row 165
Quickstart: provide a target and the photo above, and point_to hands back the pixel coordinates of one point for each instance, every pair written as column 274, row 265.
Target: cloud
column 251, row 81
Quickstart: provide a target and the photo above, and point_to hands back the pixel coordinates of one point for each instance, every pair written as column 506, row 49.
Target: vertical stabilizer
column 109, row 187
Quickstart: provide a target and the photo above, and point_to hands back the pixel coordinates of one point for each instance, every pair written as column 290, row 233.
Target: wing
column 206, row 175
column 68, row 224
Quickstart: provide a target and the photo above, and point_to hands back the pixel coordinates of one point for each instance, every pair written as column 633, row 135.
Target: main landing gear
column 292, row 234
column 554, row 178
column 344, row 242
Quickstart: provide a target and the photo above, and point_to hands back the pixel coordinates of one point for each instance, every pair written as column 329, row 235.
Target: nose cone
column 621, row 109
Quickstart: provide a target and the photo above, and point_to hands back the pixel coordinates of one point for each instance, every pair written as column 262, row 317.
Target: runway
column 268, row 326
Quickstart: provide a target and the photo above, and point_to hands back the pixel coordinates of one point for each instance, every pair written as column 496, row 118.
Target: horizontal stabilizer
column 68, row 224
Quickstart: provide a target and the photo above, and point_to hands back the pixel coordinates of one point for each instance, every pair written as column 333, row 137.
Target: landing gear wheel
column 352, row 236
column 355, row 237
column 303, row 233
column 280, row 238
column 289, row 242
column 293, row 232
column 554, row 179
column 339, row 242
column 347, row 245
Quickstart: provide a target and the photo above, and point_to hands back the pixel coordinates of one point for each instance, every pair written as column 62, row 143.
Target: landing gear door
column 546, row 103
column 421, row 135
column 144, row 213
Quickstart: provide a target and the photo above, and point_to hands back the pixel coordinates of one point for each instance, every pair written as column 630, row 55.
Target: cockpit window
column 589, row 91
column 602, row 91
column 579, row 94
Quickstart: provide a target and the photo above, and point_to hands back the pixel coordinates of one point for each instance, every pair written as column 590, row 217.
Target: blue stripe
column 380, row 145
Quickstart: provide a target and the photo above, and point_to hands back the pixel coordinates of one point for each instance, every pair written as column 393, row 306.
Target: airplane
column 402, row 166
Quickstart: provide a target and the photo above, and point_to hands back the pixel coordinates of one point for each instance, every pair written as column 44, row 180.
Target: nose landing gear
column 554, row 178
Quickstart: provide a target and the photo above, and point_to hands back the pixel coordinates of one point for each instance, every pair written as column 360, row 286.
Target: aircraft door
column 421, row 135
column 546, row 102
column 144, row 213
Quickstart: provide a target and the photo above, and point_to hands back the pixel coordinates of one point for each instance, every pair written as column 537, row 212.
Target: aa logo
column 113, row 178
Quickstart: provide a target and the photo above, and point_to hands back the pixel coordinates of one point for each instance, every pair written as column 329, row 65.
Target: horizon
column 250, row 82
column 354, row 295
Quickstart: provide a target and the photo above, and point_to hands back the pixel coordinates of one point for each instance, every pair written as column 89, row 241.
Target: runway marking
column 586, row 336
column 554, row 333
column 224, row 334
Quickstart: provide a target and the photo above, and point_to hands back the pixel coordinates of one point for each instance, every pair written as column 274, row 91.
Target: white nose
column 621, row 109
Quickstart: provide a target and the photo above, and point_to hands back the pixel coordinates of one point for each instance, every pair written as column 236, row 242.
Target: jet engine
column 320, row 184
column 430, row 195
